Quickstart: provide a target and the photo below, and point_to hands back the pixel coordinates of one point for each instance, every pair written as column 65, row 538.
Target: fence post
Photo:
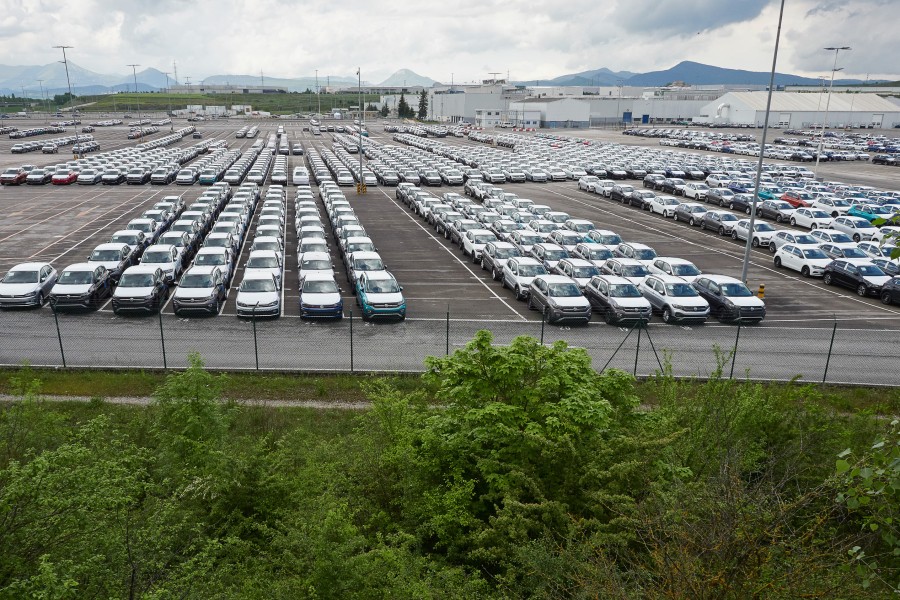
column 830, row 347
column 447, row 345
column 637, row 348
column 162, row 338
column 543, row 320
column 255, row 343
column 734, row 353
column 351, row 341
column 62, row 352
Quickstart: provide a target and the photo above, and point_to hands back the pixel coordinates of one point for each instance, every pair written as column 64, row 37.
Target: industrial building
column 798, row 110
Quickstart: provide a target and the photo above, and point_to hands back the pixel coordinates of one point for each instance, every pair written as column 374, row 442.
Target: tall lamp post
column 47, row 99
column 834, row 70
column 361, row 188
column 762, row 146
column 140, row 120
column 71, row 98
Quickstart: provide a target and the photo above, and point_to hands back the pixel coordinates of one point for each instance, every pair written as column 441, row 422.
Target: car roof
column 82, row 266
column 142, row 269
column 627, row 261
column 555, row 278
column 258, row 275
column 202, row 269
column 614, row 279
column 722, row 278
column 578, row 262
column 666, row 278
column 209, row 250
column 364, row 254
column 858, row 261
column 27, row 266
column 110, row 246
column 674, row 260
column 378, row 275
column 526, row 260
column 161, row 246
column 319, row 276
column 314, row 255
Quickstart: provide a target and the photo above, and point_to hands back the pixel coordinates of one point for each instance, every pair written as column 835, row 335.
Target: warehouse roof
column 809, row 102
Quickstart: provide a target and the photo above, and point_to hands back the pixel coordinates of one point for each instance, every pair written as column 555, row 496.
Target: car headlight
column 729, row 303
column 269, row 304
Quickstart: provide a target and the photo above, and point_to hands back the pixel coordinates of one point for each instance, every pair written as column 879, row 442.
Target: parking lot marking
column 53, row 216
column 451, row 253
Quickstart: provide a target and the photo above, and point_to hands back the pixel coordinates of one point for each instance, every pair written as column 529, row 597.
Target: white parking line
column 53, row 216
column 731, row 254
column 451, row 253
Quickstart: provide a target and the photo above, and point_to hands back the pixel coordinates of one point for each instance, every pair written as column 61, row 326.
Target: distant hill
column 594, row 77
column 296, row 84
column 693, row 73
column 405, row 77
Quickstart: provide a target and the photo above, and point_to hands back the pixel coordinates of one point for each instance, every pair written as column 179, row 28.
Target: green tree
column 404, row 110
column 384, row 110
column 423, row 105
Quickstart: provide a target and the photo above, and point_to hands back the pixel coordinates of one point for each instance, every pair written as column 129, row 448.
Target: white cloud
column 528, row 38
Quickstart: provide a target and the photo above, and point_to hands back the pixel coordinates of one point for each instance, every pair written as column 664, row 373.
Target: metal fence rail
column 101, row 340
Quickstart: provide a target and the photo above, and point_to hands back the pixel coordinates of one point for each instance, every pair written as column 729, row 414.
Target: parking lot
column 63, row 224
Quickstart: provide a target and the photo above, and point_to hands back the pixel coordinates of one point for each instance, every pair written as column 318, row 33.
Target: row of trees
column 405, row 111
column 534, row 477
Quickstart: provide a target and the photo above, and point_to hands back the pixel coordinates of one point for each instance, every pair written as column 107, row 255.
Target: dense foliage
column 515, row 472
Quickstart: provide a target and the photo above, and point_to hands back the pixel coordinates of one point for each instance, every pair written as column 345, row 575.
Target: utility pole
column 175, row 70
column 262, row 80
column 834, row 70
column 71, row 97
column 140, row 123
column 169, row 97
column 361, row 188
column 41, row 85
column 318, row 95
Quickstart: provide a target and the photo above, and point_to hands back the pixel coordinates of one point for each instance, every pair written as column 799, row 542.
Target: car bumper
column 207, row 305
column 64, row 302
column 384, row 312
column 18, row 301
column 321, row 312
column 684, row 316
column 631, row 316
column 134, row 305
column 261, row 311
column 580, row 315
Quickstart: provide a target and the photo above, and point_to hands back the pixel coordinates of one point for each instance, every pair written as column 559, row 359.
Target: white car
column 811, row 218
column 264, row 261
column 474, row 241
column 315, row 263
column 832, row 205
column 887, row 232
column 164, row 256
column 695, row 190
column 675, row 299
column 877, row 249
column 809, row 260
column 259, row 295
column 586, row 182
column 664, row 205
column 857, row 228
column 27, row 284
column 762, row 233
column 618, row 298
column 676, row 267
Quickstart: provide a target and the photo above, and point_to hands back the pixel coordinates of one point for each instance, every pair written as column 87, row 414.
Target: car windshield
column 484, row 238
column 668, row 201
column 805, row 239
column 145, row 227
column 136, row 280
column 680, row 290
column 196, row 280
column 814, row 253
column 685, row 270
column 312, row 246
column 315, row 265
column 608, row 239
column 274, row 246
column 175, row 240
column 320, row 287
column 505, row 252
column 360, row 247
column 368, row 264
column 585, row 272
column 21, row 277
column 582, row 227
column 556, row 254
column 257, row 285
column 106, row 255
column 644, row 254
column 210, row 259
column 871, row 271
column 531, row 270
column 75, row 278
column 736, row 290
column 728, row 217
column 124, row 239
column 624, row 290
column 564, row 290
column 840, row 238
column 762, row 227
column 599, row 254
column 157, row 257
column 382, row 286
column 313, row 234
column 635, row 271
column 262, row 262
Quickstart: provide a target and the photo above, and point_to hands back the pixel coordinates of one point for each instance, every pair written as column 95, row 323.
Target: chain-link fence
column 102, row 340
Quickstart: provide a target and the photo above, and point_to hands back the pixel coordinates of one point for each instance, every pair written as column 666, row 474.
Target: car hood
column 252, row 272
column 747, row 301
column 324, row 299
column 688, row 301
column 132, row 292
column 392, row 297
column 251, row 298
column 111, row 265
column 879, row 281
column 61, row 288
column 193, row 293
column 571, row 302
column 631, row 302
column 17, row 289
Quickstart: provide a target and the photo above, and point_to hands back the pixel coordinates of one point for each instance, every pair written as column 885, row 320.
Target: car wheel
column 779, row 219
column 778, row 262
column 675, row 217
column 857, row 238
column 885, row 297
column 772, row 248
column 755, row 243
column 748, row 210
column 827, row 279
column 691, row 222
column 861, row 290
column 474, row 258
column 805, row 271
column 731, row 205
column 734, row 235
column 609, row 317
column 794, row 222
column 667, row 315
column 721, row 231
column 495, row 274
column 40, row 299
column 835, row 215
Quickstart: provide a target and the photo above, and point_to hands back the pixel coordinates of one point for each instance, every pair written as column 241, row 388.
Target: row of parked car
column 51, row 146
column 17, row 134
column 568, row 268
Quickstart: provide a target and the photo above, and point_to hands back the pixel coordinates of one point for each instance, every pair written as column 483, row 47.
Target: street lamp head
column 838, row 48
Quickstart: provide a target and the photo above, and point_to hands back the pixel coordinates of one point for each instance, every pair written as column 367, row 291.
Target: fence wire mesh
column 102, row 340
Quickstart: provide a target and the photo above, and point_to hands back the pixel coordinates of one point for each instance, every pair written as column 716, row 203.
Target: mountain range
column 52, row 78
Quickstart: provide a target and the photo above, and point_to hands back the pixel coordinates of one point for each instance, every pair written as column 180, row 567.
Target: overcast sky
column 466, row 38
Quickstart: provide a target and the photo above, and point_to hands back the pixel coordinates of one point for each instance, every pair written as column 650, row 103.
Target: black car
column 890, row 292
column 719, row 195
column 742, row 202
column 495, row 255
column 777, row 210
column 858, row 274
column 81, row 286
column 621, row 193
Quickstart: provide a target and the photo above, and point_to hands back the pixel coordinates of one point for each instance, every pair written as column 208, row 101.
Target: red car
column 798, row 198
column 13, row 176
column 64, row 177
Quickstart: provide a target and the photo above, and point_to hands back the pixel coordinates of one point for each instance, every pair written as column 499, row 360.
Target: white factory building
column 801, row 110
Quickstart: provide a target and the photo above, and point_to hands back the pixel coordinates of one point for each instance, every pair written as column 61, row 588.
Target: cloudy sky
column 465, row 38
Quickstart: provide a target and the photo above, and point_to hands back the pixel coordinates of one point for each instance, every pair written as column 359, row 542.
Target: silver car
column 27, row 284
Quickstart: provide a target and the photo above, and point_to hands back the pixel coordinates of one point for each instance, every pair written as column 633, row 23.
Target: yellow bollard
column 762, row 291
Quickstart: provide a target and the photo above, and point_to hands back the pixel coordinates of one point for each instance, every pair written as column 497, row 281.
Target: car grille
column 67, row 297
column 752, row 310
column 385, row 305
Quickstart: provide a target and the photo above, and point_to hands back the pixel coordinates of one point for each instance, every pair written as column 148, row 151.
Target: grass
column 346, row 387
column 274, row 103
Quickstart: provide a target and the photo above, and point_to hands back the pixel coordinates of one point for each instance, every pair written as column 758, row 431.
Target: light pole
column 618, row 101
column 762, row 146
column 169, row 97
column 361, row 188
column 318, row 96
column 140, row 120
column 71, row 97
column 853, row 97
column 834, row 70
column 47, row 99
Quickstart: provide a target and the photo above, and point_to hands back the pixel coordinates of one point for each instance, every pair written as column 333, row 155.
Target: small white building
column 554, row 112
column 798, row 110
